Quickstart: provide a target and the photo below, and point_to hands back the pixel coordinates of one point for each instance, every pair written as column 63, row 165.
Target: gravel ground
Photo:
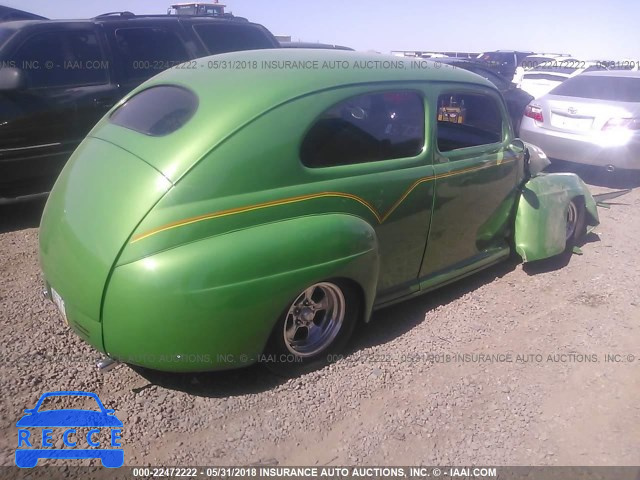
column 387, row 402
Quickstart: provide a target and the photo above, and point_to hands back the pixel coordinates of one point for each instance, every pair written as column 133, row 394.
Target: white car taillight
column 535, row 112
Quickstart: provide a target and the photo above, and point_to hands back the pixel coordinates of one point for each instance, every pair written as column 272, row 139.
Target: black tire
column 576, row 215
column 285, row 359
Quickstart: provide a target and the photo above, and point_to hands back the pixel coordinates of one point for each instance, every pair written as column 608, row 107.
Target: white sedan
column 542, row 79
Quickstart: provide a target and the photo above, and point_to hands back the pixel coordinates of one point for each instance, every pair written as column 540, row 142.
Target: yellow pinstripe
column 301, row 198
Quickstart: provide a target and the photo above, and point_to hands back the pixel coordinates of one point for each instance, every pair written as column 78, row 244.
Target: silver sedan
column 593, row 119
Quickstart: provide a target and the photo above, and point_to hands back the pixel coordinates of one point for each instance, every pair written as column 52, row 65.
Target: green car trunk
column 99, row 198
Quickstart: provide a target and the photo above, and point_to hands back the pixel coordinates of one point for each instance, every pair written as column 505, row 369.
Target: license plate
column 57, row 299
column 570, row 123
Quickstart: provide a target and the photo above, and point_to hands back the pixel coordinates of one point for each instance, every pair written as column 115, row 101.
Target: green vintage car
column 255, row 206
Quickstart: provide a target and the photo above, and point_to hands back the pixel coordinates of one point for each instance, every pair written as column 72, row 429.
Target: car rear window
column 618, row 89
column 223, row 38
column 157, row 111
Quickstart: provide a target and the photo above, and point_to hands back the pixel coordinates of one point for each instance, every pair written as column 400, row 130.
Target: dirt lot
column 557, row 402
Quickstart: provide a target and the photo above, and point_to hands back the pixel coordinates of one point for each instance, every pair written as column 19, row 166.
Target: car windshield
column 186, row 9
column 157, row 111
column 496, row 57
column 63, row 402
column 618, row 89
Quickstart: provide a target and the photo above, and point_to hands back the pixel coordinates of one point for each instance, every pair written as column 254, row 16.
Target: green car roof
column 288, row 73
column 235, row 88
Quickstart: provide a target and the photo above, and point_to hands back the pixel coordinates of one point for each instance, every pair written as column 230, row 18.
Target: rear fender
column 540, row 223
column 224, row 294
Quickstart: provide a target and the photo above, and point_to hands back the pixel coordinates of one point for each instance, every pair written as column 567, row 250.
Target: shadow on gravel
column 598, row 176
column 391, row 322
column 559, row 261
column 19, row 216
column 243, row 381
column 385, row 325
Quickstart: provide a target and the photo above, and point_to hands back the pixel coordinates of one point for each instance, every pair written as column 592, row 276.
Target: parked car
column 624, row 64
column 543, row 78
column 592, row 119
column 58, row 78
column 504, row 62
column 532, row 61
column 515, row 98
column 201, row 228
column 323, row 46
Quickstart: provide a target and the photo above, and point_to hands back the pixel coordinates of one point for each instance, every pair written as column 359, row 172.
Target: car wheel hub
column 314, row 319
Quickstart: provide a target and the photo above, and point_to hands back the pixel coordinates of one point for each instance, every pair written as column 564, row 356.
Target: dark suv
column 58, row 78
column 504, row 62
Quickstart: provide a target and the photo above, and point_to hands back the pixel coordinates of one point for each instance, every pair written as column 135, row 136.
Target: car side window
column 62, row 58
column 467, row 120
column 366, row 128
column 146, row 51
column 231, row 38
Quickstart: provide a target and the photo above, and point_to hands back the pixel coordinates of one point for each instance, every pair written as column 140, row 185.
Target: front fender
column 202, row 305
column 540, row 224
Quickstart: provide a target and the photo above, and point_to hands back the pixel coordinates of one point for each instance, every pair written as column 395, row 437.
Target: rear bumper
column 595, row 150
column 88, row 329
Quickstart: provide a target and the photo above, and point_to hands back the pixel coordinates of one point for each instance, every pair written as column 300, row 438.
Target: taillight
column 535, row 112
column 622, row 123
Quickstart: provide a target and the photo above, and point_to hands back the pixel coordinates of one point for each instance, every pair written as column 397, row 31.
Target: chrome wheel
column 314, row 319
column 572, row 220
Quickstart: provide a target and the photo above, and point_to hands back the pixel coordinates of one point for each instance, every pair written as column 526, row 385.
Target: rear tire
column 316, row 325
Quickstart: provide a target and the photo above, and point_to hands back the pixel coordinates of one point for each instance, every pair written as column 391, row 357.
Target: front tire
column 317, row 323
column 576, row 222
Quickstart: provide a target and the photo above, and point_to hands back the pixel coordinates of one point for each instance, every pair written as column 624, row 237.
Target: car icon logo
column 32, row 447
column 572, row 110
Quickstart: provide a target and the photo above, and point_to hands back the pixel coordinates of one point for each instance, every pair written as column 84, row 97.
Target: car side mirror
column 518, row 146
column 11, row 79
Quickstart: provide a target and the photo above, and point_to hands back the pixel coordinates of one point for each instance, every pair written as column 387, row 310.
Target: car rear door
column 372, row 145
column 477, row 172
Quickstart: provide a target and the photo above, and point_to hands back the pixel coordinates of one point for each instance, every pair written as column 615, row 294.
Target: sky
column 587, row 29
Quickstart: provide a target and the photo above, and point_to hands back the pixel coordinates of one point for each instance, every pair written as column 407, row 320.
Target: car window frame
column 380, row 165
column 60, row 29
column 475, row 150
